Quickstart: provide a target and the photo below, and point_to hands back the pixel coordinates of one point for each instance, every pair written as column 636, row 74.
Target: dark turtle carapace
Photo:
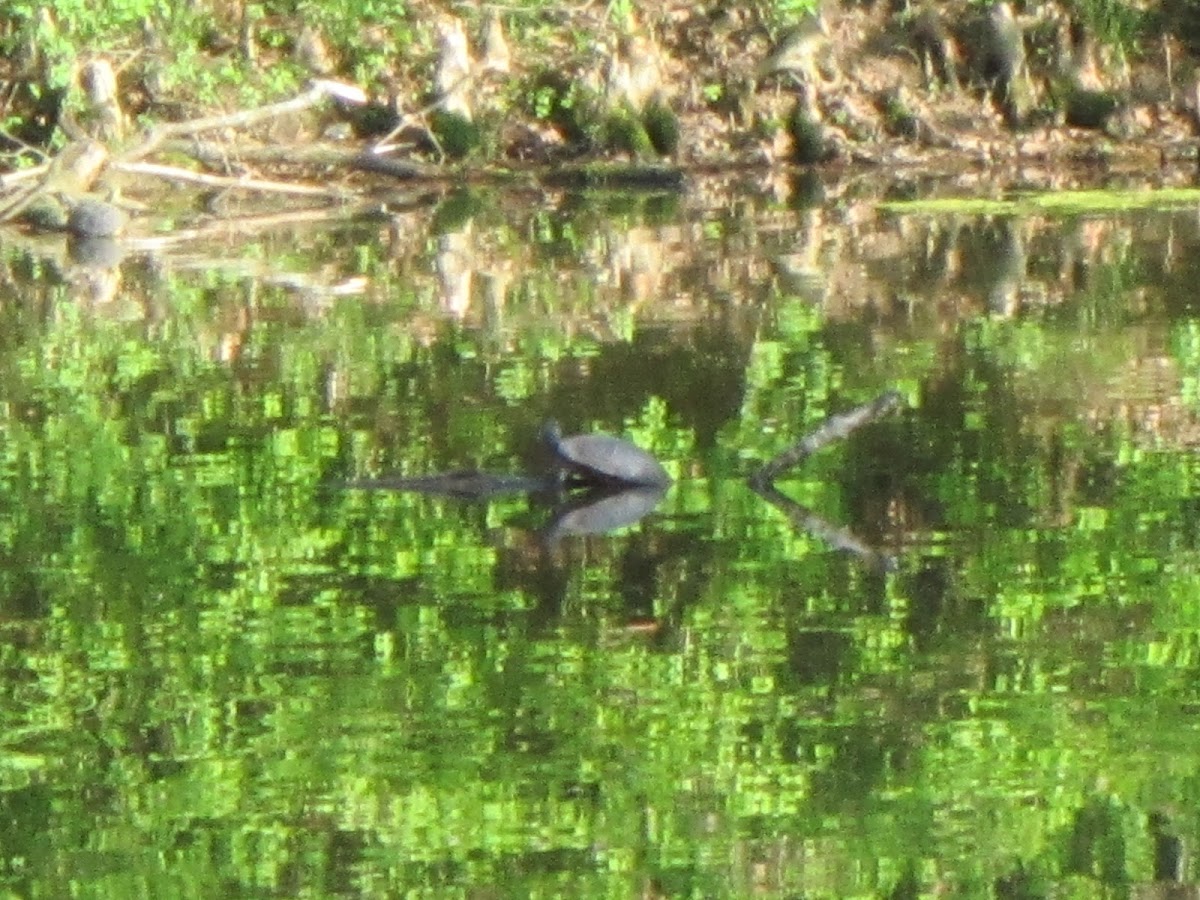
column 603, row 460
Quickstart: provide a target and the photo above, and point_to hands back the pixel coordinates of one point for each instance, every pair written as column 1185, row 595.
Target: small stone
column 45, row 213
column 95, row 218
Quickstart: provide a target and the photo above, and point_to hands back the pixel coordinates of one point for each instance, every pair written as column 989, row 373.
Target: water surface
column 227, row 674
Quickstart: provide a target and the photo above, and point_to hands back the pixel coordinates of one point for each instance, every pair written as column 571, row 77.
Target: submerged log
column 464, row 484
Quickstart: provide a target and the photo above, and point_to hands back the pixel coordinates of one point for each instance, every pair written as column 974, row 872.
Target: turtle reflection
column 599, row 511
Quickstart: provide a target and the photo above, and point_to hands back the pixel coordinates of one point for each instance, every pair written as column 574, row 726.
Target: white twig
column 315, row 94
column 175, row 173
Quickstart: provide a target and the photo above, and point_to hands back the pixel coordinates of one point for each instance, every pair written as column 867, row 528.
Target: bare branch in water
column 838, row 538
column 835, row 428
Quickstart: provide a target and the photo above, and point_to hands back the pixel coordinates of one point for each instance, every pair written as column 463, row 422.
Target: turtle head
column 551, row 438
column 551, row 434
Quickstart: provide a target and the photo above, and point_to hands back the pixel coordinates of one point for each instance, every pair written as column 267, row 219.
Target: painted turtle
column 603, row 460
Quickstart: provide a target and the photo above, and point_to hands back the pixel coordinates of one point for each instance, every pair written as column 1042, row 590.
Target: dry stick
column 10, row 178
column 13, row 205
column 325, row 156
column 28, row 148
column 5, row 104
column 315, row 94
column 71, row 171
column 175, row 173
column 835, row 428
column 128, row 161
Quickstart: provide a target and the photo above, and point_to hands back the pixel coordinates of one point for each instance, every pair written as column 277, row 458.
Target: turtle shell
column 602, row 459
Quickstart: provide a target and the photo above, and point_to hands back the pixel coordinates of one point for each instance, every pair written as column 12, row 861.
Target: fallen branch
column 8, row 179
column 175, row 173
column 835, row 428
column 384, row 145
column 323, row 155
column 72, row 172
column 319, row 91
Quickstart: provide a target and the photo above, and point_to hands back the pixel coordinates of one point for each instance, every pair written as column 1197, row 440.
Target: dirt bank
column 1023, row 95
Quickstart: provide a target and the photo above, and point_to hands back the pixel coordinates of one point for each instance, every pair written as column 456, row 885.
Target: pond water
column 226, row 673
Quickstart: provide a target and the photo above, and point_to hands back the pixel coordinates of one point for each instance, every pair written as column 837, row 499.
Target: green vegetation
column 809, row 143
column 662, row 127
column 623, row 131
column 457, row 135
column 567, row 105
column 178, row 60
column 1122, row 24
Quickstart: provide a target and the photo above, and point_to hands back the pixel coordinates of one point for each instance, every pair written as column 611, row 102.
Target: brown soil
column 878, row 108
column 877, row 105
